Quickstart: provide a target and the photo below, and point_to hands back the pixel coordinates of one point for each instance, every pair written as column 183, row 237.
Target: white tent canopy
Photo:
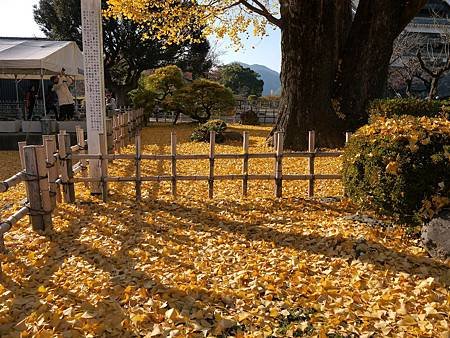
column 33, row 58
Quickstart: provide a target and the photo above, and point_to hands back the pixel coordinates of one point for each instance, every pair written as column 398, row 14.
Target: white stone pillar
column 91, row 19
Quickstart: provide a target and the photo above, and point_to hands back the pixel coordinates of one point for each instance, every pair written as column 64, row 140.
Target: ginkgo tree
column 335, row 53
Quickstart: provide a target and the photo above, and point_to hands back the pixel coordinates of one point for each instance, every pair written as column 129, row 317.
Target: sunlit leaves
column 193, row 267
column 172, row 20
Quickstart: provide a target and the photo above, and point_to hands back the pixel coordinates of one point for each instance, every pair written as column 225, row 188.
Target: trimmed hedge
column 201, row 134
column 400, row 167
column 408, row 106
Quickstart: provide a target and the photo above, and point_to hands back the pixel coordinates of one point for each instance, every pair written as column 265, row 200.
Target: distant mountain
column 271, row 78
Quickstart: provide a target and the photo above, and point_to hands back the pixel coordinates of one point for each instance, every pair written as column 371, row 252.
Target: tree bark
column 332, row 67
column 367, row 53
column 308, row 73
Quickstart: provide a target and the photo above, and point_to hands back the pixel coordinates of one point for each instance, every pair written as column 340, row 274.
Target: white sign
column 91, row 20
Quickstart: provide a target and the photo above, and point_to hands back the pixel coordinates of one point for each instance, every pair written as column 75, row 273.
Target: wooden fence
column 50, row 167
column 47, row 168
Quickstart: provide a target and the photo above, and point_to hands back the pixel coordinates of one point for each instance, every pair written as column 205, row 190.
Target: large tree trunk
column 332, row 66
column 367, row 53
column 308, row 73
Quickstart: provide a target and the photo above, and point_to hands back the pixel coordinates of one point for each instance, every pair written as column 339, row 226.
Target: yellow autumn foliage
column 170, row 19
column 232, row 266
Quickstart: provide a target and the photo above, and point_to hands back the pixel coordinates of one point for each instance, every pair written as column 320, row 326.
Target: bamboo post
column 52, row 169
column 173, row 147
column 311, row 150
column 44, row 187
column 212, row 145
column 245, row 164
column 279, row 166
column 104, row 166
column 33, row 188
column 66, row 167
column 138, row 167
column 348, row 135
column 82, row 143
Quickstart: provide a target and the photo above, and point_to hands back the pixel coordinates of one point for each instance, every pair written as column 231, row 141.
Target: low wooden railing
column 49, row 167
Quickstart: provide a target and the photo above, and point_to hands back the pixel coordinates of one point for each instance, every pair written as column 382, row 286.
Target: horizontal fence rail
column 51, row 170
column 277, row 176
column 48, row 168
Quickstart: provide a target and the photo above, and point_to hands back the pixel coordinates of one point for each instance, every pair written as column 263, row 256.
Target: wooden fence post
column 65, row 159
column 245, row 164
column 21, row 145
column 104, row 166
column 311, row 150
column 212, row 146
column 44, row 187
column 279, row 165
column 52, row 168
column 82, row 143
column 126, row 128
column 33, row 188
column 121, row 131
column 173, row 152
column 109, row 136
column 21, row 153
column 138, row 167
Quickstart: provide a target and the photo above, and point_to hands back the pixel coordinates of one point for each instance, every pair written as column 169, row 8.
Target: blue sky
column 16, row 19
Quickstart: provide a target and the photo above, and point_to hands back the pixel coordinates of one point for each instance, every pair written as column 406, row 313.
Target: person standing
column 51, row 100
column 66, row 103
column 30, row 101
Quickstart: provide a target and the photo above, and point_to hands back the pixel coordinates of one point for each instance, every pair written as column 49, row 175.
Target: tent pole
column 43, row 93
column 76, row 94
column 17, row 96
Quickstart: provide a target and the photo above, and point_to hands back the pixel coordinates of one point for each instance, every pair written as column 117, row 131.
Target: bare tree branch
column 262, row 10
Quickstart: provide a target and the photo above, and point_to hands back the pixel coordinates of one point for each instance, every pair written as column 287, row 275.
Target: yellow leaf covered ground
column 193, row 267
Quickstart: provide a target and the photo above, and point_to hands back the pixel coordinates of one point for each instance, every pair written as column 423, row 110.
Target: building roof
column 33, row 57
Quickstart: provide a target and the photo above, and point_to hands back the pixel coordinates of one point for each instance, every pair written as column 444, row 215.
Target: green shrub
column 400, row 167
column 399, row 107
column 249, row 117
column 201, row 134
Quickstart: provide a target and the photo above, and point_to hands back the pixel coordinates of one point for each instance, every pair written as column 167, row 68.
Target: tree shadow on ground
column 120, row 266
column 349, row 248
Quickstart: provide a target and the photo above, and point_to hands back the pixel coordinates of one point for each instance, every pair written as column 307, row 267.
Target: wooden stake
column 109, row 136
column 311, row 150
column 66, row 168
column 121, row 131
column 212, row 145
column 104, row 167
column 52, row 170
column 82, row 144
column 173, row 147
column 44, row 187
column 245, row 163
column 138, row 167
column 33, row 189
column 21, row 153
column 279, row 166
column 126, row 122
